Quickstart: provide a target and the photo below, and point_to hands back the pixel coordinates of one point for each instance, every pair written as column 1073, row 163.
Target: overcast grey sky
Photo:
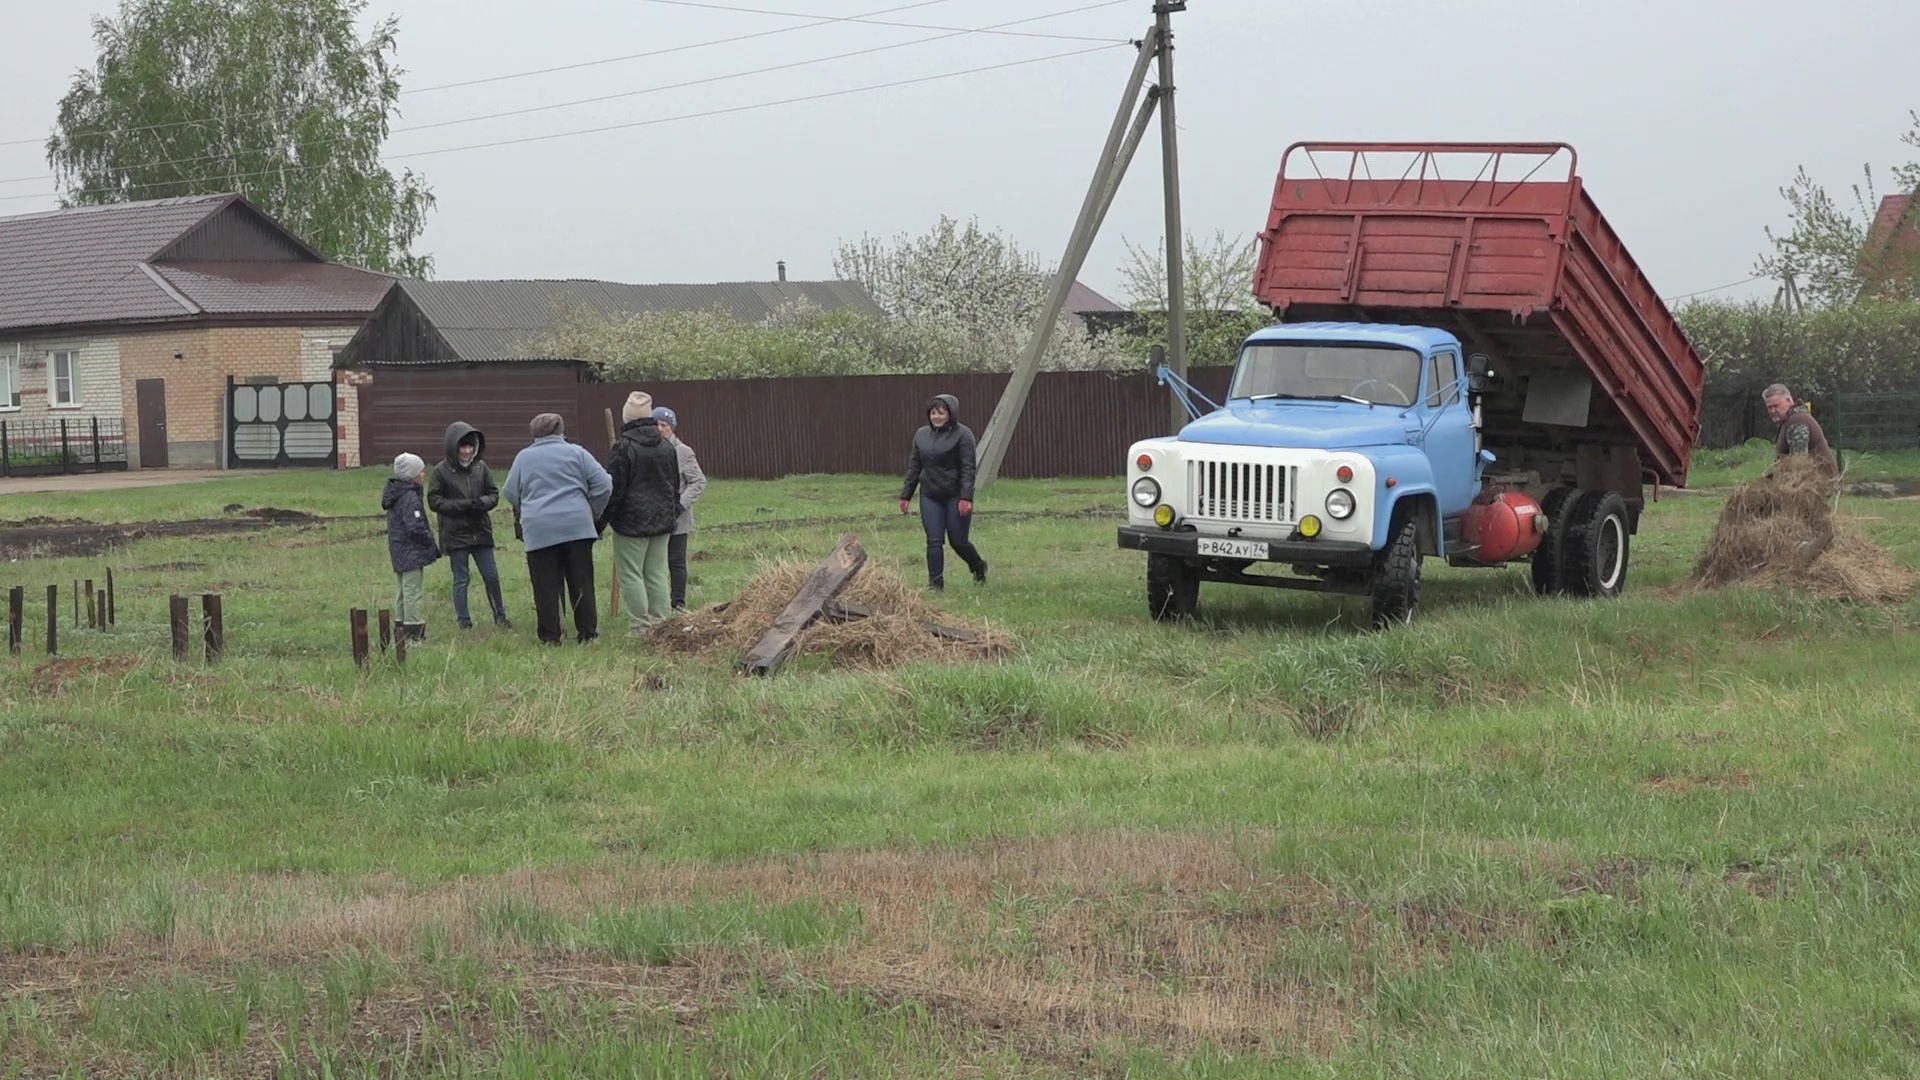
column 1688, row 116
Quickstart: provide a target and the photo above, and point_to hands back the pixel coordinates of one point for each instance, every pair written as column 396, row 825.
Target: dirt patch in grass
column 897, row 633
column 1782, row 531
column 54, row 675
column 70, row 538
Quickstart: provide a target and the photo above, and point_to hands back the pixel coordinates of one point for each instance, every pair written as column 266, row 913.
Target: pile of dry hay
column 892, row 636
column 1781, row 531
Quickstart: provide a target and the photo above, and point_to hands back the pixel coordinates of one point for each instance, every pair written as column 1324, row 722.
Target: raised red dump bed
column 1508, row 251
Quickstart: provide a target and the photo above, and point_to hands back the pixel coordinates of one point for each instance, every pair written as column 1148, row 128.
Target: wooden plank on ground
column 842, row 611
column 821, row 586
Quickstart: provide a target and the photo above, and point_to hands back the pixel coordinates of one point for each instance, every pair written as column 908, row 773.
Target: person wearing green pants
column 410, row 543
column 642, row 511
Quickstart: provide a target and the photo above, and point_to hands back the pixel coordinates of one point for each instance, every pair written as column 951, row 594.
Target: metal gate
column 282, row 424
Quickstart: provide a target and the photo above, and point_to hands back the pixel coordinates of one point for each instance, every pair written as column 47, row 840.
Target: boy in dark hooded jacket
column 941, row 465
column 462, row 493
column 409, row 542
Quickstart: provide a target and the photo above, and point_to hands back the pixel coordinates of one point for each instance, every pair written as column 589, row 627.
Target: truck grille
column 1241, row 491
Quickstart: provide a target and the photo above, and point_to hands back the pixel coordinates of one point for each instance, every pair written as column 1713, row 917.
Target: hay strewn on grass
column 892, row 637
column 1782, row 531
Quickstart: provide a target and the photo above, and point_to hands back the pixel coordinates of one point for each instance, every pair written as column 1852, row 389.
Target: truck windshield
column 1372, row 374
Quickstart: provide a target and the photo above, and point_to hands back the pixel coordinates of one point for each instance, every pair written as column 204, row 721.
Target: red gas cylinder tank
column 1501, row 527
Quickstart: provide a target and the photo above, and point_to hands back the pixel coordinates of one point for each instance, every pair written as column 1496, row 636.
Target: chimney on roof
column 782, row 264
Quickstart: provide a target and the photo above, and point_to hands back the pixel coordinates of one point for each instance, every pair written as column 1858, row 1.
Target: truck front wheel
column 1395, row 584
column 1593, row 553
column 1173, row 588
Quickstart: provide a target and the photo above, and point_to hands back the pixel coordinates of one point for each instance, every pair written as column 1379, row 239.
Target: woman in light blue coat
column 557, row 491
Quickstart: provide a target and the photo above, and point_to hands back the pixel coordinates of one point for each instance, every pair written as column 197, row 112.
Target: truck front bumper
column 1346, row 554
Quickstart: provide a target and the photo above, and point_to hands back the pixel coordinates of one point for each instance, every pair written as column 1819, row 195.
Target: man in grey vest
column 1800, row 433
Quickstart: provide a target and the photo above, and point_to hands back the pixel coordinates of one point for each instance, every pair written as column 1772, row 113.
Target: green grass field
column 1670, row 835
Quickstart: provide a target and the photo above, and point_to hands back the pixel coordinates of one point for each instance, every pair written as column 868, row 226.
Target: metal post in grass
column 53, row 620
column 386, row 631
column 358, row 618
column 76, row 603
column 177, row 610
column 16, row 616
column 93, row 610
column 215, row 628
column 111, row 613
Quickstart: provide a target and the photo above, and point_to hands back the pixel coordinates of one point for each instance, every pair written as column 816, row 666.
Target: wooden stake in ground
column 821, row 587
column 216, row 626
column 93, row 608
column 112, row 615
column 76, row 603
column 177, row 611
column 386, row 630
column 53, row 620
column 358, row 619
column 16, row 616
column 613, row 604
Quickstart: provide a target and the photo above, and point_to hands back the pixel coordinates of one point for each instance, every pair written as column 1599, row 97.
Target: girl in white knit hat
column 410, row 543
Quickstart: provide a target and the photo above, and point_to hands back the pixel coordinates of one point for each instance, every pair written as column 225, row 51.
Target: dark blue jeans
column 489, row 573
column 943, row 523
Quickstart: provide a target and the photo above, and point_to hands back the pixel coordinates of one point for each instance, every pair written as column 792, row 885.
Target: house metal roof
column 106, row 264
column 496, row 319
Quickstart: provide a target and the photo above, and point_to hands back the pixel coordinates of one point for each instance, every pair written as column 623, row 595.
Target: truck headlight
column 1340, row 504
column 1146, row 492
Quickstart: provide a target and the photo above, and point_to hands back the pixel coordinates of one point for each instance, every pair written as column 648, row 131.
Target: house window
column 63, row 373
column 64, row 379
column 10, row 378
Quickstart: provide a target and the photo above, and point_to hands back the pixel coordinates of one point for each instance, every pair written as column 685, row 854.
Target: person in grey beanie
column 692, row 482
column 410, row 543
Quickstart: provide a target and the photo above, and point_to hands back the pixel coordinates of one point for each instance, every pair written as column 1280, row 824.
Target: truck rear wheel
column 1593, row 554
column 1395, row 583
column 1173, row 588
column 1549, row 576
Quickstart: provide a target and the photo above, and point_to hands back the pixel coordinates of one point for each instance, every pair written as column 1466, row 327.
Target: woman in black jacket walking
column 941, row 465
column 462, row 493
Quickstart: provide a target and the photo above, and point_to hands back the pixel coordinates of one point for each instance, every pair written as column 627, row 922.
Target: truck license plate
column 1231, row 549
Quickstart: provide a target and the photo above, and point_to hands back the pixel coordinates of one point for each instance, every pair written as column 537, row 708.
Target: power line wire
column 953, row 33
column 867, row 21
column 822, row 96
column 1717, row 288
column 507, row 76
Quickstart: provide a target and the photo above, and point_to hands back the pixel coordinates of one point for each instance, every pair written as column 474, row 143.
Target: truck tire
column 1549, row 558
column 1395, row 582
column 1593, row 554
column 1173, row 589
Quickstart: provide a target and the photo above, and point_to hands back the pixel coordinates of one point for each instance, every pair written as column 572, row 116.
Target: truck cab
column 1346, row 451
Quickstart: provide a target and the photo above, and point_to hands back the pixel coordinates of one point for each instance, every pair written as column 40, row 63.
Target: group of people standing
column 564, row 500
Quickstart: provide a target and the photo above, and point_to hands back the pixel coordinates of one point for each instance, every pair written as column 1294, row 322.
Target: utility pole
column 1122, row 141
column 1170, row 183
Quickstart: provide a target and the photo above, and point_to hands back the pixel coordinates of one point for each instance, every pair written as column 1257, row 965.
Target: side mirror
column 1478, row 373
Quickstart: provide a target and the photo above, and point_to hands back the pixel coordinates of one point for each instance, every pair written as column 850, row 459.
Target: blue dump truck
column 1468, row 369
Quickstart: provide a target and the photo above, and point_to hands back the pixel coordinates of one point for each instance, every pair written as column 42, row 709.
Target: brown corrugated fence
column 1075, row 423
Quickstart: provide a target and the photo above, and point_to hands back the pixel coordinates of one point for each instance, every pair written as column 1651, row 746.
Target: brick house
column 131, row 317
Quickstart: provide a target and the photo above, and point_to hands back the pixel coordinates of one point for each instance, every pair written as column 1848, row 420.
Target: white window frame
column 10, row 374
column 73, row 379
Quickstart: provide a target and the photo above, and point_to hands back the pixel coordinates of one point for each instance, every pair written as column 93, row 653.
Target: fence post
column 96, row 444
column 357, row 617
column 93, row 611
column 112, row 614
column 16, row 615
column 177, row 610
column 53, row 620
column 66, row 459
column 216, row 628
column 76, row 603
